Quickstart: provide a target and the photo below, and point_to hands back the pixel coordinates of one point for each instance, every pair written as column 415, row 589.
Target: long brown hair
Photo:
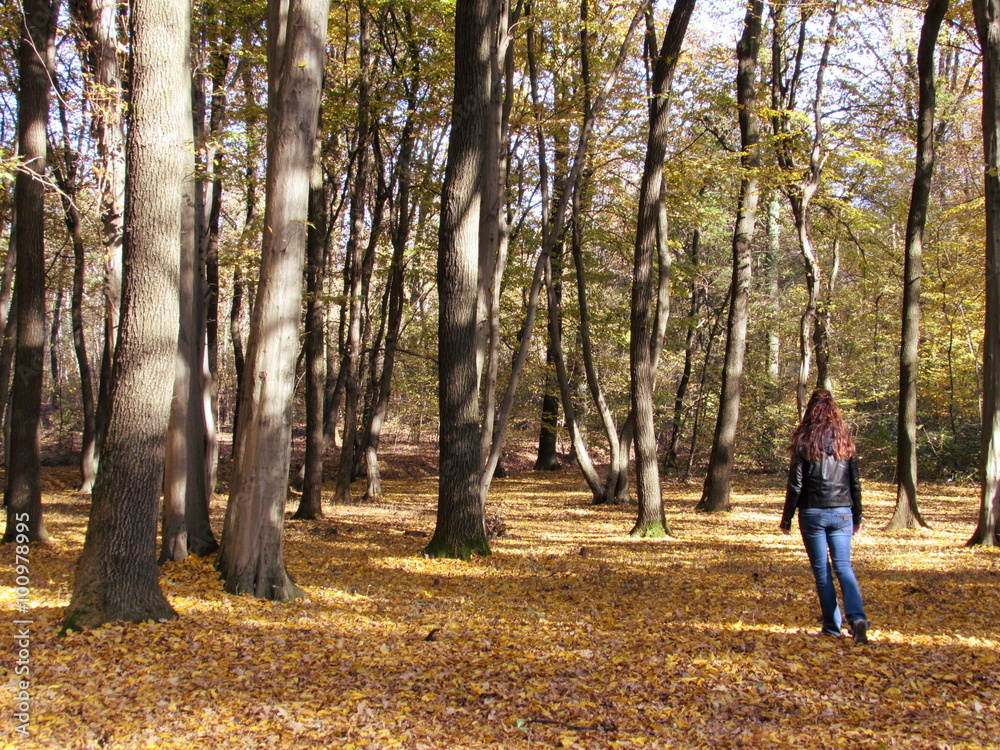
column 822, row 429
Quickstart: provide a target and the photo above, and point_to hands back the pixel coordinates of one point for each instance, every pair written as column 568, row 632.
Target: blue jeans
column 826, row 533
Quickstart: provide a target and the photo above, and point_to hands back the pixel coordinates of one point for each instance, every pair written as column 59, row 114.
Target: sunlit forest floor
column 569, row 635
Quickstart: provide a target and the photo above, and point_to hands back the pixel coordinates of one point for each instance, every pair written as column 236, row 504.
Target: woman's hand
column 784, row 531
column 857, row 529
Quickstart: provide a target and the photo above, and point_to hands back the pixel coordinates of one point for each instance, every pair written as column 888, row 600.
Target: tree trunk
column 354, row 272
column 66, row 176
column 773, row 285
column 103, row 88
column 311, row 503
column 548, row 433
column 251, row 215
column 117, row 577
column 22, row 491
column 209, row 239
column 186, row 526
column 718, row 480
column 651, row 521
column 699, row 410
column 461, row 526
column 251, row 556
column 697, row 294
column 8, row 298
column 801, row 194
column 400, row 239
column 987, row 533
column 494, row 229
column 906, row 514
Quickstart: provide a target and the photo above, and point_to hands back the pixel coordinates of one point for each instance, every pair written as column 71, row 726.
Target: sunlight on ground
column 569, row 635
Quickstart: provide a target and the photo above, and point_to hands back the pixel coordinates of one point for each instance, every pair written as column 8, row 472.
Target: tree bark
column 548, row 433
column 311, row 502
column 987, row 533
column 251, row 555
column 801, row 194
column 354, row 263
column 22, row 490
column 906, row 514
column 773, row 285
column 718, row 480
column 461, row 526
column 186, row 526
column 494, row 227
column 100, row 55
column 117, row 577
column 651, row 521
column 209, row 237
column 250, row 218
column 66, row 176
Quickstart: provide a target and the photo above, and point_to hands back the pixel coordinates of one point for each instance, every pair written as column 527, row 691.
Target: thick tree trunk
column 906, row 514
column 651, row 521
column 22, row 491
column 251, row 556
column 461, row 526
column 117, row 577
column 987, row 533
column 718, row 480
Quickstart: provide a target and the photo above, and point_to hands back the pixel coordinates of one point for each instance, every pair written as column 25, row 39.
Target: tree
column 117, row 576
column 461, row 518
column 357, row 265
column 22, row 490
column 552, row 230
column 311, row 504
column 650, row 233
column 987, row 533
column 98, row 24
column 718, row 481
column 186, row 526
column 906, row 514
column 250, row 556
column 785, row 81
column 410, row 69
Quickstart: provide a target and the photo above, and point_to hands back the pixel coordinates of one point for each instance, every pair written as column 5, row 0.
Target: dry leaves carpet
column 569, row 635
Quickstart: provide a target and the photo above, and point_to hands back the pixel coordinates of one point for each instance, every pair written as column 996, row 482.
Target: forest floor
column 570, row 635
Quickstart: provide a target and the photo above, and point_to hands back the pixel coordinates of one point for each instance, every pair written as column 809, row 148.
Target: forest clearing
column 569, row 635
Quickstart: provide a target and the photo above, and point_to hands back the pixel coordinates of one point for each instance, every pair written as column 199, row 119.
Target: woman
column 824, row 485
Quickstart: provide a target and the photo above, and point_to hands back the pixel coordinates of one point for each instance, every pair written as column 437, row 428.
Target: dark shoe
column 860, row 631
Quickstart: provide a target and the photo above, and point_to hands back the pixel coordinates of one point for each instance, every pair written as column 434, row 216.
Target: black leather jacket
column 827, row 483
